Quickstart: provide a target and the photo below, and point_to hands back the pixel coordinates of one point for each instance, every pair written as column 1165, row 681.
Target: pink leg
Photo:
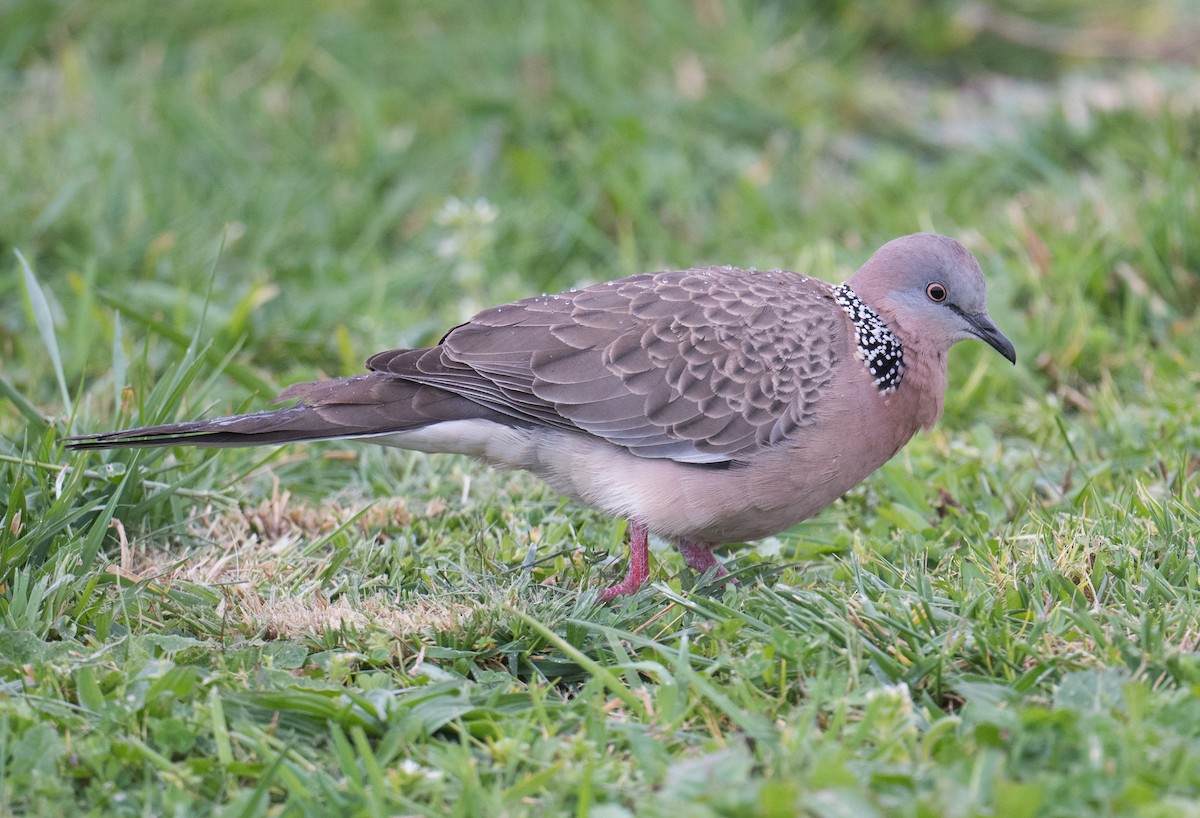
column 639, row 563
column 699, row 557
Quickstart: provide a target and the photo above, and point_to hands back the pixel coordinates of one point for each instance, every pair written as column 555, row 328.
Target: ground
column 204, row 202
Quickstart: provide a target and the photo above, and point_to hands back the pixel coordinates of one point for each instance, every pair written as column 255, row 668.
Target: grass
column 212, row 200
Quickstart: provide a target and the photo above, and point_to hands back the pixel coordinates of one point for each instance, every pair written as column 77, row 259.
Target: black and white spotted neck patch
column 878, row 346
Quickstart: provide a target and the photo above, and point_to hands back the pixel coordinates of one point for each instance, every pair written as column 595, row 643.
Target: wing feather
column 705, row 365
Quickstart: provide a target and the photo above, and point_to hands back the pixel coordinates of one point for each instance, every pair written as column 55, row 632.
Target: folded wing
column 699, row 366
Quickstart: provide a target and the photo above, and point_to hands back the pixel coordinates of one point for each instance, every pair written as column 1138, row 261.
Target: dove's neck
column 907, row 368
column 926, row 380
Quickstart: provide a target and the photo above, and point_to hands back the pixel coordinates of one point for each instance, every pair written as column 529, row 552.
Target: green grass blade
column 44, row 320
column 240, row 373
column 23, row 404
column 120, row 363
column 601, row 673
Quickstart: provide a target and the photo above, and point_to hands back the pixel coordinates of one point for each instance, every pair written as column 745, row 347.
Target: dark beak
column 985, row 330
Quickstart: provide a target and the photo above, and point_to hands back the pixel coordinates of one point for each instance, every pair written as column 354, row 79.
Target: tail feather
column 294, row 425
column 363, row 406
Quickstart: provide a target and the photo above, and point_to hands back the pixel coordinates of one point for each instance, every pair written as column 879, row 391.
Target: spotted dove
column 708, row 406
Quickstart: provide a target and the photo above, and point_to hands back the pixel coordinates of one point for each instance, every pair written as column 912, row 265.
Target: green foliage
column 204, row 201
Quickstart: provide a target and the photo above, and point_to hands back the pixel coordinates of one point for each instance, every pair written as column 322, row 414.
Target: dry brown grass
column 293, row 617
column 246, row 549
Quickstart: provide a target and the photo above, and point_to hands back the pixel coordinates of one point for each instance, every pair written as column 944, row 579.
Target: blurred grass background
column 323, row 144
column 217, row 199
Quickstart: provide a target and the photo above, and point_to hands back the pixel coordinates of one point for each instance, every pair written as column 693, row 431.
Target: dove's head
column 931, row 287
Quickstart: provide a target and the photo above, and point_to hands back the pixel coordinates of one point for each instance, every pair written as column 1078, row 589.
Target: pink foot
column 639, row 563
column 699, row 557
